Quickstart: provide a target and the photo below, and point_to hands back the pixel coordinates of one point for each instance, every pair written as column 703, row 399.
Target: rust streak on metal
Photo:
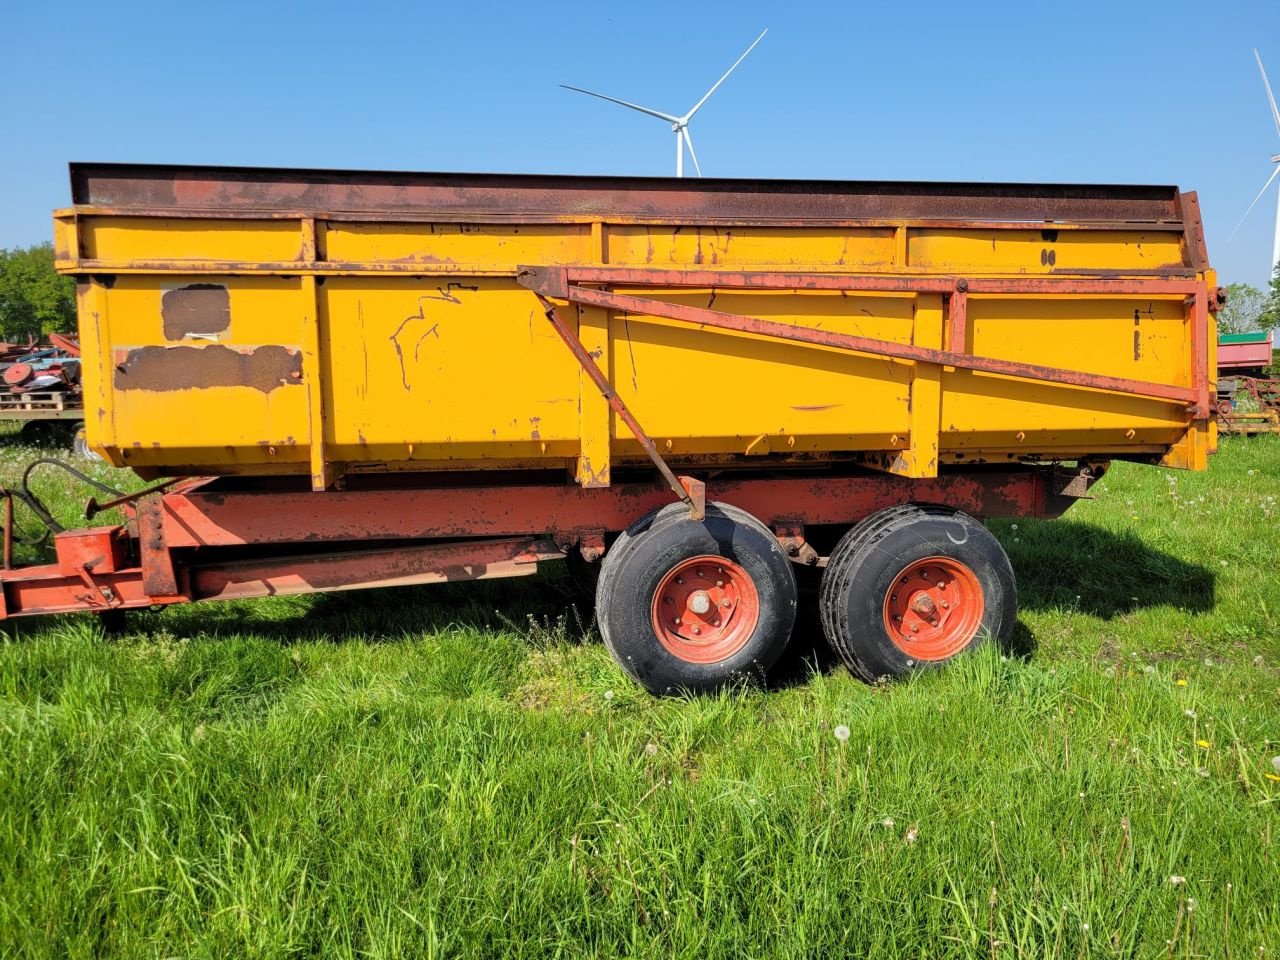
column 165, row 369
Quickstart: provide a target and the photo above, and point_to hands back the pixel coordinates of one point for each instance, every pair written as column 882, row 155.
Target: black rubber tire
column 867, row 560
column 635, row 565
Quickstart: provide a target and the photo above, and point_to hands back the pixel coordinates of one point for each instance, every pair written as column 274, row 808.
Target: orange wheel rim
column 705, row 609
column 933, row 608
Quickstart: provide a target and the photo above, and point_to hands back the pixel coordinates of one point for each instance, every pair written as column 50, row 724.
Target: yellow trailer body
column 242, row 321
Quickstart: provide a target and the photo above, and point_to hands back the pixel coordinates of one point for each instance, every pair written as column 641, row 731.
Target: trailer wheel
column 694, row 605
column 80, row 445
column 915, row 586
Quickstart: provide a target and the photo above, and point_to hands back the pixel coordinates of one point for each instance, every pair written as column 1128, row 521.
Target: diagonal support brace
column 685, row 494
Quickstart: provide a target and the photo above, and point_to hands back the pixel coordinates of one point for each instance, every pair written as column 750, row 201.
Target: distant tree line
column 1249, row 308
column 34, row 299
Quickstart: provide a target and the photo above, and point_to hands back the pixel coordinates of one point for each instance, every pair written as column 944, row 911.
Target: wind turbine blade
column 688, row 140
column 634, row 106
column 1270, row 179
column 1275, row 113
column 698, row 106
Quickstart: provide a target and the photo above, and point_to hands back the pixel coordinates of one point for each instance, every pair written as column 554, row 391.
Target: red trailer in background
column 1248, row 401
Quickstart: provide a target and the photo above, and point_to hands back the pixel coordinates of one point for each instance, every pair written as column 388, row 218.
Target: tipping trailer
column 688, row 387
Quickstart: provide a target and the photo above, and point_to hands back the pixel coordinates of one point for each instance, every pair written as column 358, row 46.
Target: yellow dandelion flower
column 1203, row 744
column 1272, row 776
column 1179, row 682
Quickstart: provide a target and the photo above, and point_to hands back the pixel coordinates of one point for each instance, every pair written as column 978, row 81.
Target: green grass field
column 461, row 771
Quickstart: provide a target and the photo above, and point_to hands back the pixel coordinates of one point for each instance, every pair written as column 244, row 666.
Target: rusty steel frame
column 563, row 283
column 202, row 540
column 143, row 189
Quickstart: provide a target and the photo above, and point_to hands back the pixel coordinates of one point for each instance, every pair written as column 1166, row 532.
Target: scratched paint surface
column 444, row 362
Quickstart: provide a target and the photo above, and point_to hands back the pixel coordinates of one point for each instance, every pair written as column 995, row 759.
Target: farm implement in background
column 40, row 388
column 1248, row 400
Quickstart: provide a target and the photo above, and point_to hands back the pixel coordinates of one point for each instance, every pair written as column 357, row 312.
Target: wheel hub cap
column 934, row 608
column 705, row 609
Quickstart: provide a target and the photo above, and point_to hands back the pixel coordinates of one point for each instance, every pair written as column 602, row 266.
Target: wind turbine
column 679, row 125
column 1275, row 115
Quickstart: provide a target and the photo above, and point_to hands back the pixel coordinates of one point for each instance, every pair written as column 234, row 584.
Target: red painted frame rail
column 201, row 540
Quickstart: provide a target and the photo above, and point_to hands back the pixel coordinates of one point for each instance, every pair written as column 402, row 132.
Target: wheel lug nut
column 725, row 603
column 667, row 600
column 697, row 629
column 679, row 579
column 945, row 605
column 914, row 628
column 719, row 583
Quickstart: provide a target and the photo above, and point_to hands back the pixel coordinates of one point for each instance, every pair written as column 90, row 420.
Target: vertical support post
column 159, row 576
column 920, row 459
column 595, row 416
column 599, row 248
column 312, row 373
column 900, row 246
column 307, row 254
column 96, row 363
column 958, row 318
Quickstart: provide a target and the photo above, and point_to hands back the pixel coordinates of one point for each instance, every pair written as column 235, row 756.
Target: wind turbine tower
column 1275, row 116
column 680, row 125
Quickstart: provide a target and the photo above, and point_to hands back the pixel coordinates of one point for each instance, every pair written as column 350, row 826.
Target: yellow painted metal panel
column 750, row 246
column 1042, row 251
column 418, row 369
column 162, row 239
column 416, row 362
column 496, row 246
column 686, row 384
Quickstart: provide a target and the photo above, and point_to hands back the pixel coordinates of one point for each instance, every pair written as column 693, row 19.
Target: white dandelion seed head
column 1013, row 526
column 1176, row 880
column 841, row 733
column 1191, row 904
column 1223, row 562
column 651, row 749
column 912, row 835
column 608, row 694
column 1202, row 772
column 1190, row 713
column 888, row 823
column 1275, row 764
column 1149, row 670
column 1085, row 927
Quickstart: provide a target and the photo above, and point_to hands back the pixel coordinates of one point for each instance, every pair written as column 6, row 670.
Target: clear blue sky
column 1119, row 91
